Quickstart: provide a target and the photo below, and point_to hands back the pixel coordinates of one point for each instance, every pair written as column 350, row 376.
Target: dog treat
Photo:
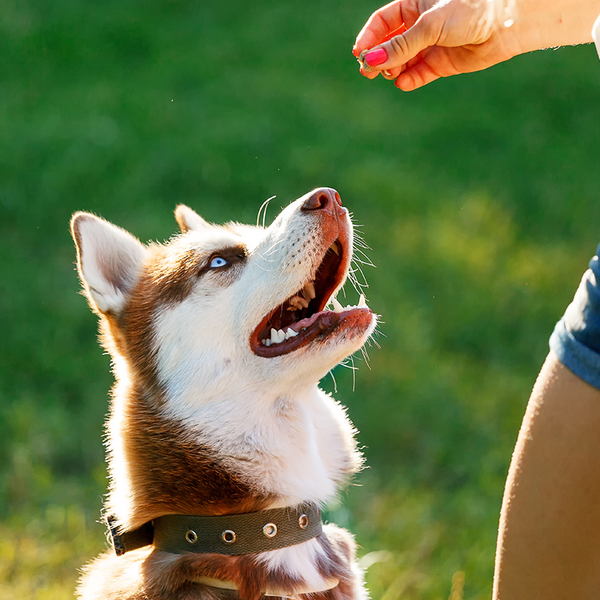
column 363, row 64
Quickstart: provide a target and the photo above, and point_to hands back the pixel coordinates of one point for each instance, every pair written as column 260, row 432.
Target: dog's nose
column 323, row 199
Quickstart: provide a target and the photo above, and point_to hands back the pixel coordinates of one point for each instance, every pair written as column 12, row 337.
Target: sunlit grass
column 478, row 197
column 41, row 554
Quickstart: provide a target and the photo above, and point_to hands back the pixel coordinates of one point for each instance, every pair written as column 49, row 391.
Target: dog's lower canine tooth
column 362, row 300
column 337, row 307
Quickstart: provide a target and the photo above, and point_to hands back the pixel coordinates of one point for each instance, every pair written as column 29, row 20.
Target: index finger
column 382, row 25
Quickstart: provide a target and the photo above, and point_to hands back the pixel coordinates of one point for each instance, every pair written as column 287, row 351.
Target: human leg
column 549, row 535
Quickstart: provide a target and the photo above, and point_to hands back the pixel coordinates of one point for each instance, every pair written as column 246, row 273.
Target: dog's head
column 224, row 310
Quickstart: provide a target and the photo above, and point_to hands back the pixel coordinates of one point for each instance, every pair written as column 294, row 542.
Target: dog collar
column 232, row 535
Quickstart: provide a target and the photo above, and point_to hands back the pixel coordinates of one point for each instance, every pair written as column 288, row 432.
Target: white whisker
column 264, row 269
column 367, row 260
column 264, row 207
column 334, row 382
column 365, row 357
column 346, row 365
column 273, row 247
column 365, row 284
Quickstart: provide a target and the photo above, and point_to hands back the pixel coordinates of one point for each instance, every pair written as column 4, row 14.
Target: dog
column 221, row 446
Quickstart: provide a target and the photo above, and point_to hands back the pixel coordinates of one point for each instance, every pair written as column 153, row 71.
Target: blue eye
column 217, row 262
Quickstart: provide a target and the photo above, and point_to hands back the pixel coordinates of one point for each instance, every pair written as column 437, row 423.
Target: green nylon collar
column 232, row 535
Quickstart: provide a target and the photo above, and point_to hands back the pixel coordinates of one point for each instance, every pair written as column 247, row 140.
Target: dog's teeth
column 335, row 248
column 267, row 342
column 277, row 336
column 337, row 307
column 309, row 291
column 298, row 302
column 362, row 301
column 290, row 333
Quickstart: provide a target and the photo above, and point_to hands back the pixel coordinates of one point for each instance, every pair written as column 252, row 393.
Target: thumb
column 397, row 51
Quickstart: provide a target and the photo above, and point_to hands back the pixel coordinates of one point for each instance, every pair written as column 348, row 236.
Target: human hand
column 418, row 41
column 596, row 34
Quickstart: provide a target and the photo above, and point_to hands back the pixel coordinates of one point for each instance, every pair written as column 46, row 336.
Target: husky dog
column 221, row 446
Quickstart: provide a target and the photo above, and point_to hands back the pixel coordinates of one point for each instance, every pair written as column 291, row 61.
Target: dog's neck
column 188, row 455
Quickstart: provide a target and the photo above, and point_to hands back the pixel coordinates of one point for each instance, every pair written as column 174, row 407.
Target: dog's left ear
column 109, row 260
column 189, row 219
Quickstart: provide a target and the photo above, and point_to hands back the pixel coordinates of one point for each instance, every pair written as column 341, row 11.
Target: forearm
column 446, row 38
column 549, row 538
column 542, row 24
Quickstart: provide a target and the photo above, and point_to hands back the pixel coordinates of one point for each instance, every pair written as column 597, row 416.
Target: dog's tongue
column 307, row 322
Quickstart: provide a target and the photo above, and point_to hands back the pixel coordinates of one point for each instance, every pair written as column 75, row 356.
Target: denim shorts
column 576, row 337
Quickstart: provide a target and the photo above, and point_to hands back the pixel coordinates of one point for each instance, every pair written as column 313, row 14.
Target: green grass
column 478, row 196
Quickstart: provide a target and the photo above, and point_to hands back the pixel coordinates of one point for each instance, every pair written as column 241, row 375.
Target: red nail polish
column 376, row 57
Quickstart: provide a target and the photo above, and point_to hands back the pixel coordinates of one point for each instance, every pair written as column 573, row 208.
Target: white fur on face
column 265, row 416
column 211, row 328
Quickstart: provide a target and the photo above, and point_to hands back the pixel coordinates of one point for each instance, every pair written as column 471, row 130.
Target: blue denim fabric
column 576, row 337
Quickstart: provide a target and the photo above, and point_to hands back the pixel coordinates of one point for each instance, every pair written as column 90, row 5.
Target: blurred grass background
column 478, row 196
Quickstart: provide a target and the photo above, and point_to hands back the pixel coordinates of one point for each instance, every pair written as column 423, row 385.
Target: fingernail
column 376, row 57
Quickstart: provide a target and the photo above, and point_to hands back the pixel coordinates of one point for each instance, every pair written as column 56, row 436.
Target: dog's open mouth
column 302, row 317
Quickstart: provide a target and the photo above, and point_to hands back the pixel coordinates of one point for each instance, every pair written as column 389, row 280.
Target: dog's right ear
column 109, row 261
column 189, row 219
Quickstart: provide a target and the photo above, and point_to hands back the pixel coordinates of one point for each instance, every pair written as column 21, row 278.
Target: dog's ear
column 189, row 219
column 109, row 261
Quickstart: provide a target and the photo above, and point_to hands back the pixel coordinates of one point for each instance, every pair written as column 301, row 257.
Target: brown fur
column 170, row 472
column 162, row 576
column 173, row 474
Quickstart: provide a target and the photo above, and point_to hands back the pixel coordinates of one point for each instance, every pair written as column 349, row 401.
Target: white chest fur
column 297, row 449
